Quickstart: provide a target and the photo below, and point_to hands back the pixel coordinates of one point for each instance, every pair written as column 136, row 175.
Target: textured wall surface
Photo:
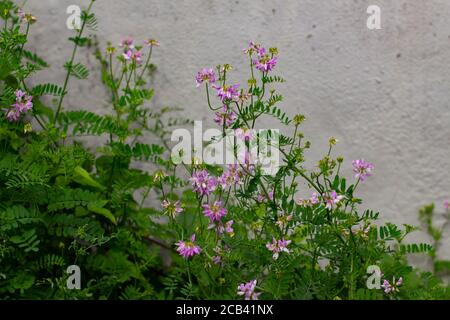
column 383, row 93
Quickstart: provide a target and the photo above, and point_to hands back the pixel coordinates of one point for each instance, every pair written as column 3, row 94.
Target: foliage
column 61, row 204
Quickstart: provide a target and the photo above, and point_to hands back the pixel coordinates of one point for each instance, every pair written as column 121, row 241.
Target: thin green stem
column 129, row 78
column 70, row 64
column 146, row 64
column 23, row 44
column 111, row 74
column 209, row 101
column 189, row 272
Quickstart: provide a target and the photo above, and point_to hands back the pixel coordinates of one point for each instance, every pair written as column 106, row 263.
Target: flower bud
column 273, row 51
column 27, row 128
column 152, row 42
column 226, row 67
column 298, row 119
column 110, row 50
column 333, row 141
column 159, row 175
column 30, row 18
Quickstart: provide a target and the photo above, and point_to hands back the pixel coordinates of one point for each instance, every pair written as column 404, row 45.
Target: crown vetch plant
column 222, row 232
column 292, row 248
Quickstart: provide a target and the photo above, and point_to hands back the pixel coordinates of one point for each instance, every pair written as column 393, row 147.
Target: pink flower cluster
column 225, row 228
column 152, row 42
column 362, row 231
column 215, row 213
column 262, row 198
column 362, row 169
column 264, row 62
column 129, row 53
column 245, row 134
column 447, row 205
column 127, row 43
column 283, row 221
column 203, row 183
column 231, row 177
column 392, row 288
column 188, row 249
column 309, row 202
column 332, row 200
column 22, row 105
column 21, row 14
column 227, row 117
column 218, row 258
column 172, row 209
column 25, row 17
column 228, row 94
column 278, row 246
column 133, row 56
column 248, row 290
column 246, row 159
column 252, row 47
column 205, row 75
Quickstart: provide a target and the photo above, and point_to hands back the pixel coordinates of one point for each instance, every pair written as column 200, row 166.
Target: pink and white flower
column 227, row 117
column 262, row 198
column 332, row 200
column 265, row 63
column 127, row 55
column 248, row 290
column 152, row 42
column 278, row 246
column 22, row 105
column 252, row 47
column 127, row 43
column 224, row 228
column 255, row 47
column 246, row 159
column 137, row 57
column 392, row 288
column 214, row 212
column 283, row 221
column 217, row 260
column 309, row 202
column 231, row 177
column 228, row 93
column 245, row 134
column 21, row 14
column 133, row 56
column 203, row 183
column 205, row 75
column 362, row 169
column 188, row 249
column 172, row 209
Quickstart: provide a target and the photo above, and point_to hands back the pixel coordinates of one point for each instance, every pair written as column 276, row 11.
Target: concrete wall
column 383, row 93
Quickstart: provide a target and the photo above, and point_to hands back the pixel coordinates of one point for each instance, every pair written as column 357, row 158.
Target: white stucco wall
column 383, row 93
